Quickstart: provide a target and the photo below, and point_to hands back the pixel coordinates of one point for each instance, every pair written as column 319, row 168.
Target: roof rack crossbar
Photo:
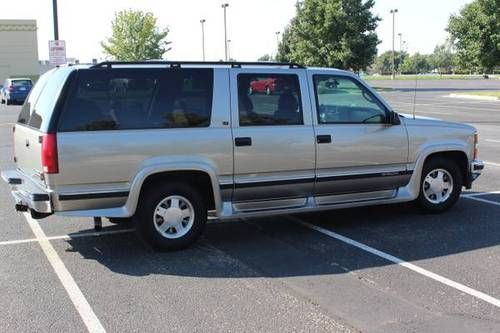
column 177, row 64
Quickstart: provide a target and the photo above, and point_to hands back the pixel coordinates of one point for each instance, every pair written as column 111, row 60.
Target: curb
column 484, row 98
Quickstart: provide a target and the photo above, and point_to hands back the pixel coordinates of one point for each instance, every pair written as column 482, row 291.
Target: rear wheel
column 440, row 186
column 171, row 216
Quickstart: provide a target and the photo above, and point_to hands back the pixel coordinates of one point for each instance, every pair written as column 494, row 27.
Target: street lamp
column 277, row 42
column 224, row 6
column 393, row 12
column 202, row 21
column 400, row 50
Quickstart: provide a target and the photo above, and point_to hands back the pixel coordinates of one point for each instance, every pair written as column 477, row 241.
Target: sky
column 252, row 24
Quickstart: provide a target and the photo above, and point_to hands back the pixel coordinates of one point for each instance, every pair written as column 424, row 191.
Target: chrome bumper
column 27, row 194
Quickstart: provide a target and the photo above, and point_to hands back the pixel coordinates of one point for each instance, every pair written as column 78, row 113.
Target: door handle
column 324, row 138
column 243, row 141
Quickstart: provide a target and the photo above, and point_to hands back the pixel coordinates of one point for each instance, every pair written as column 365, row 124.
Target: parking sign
column 57, row 52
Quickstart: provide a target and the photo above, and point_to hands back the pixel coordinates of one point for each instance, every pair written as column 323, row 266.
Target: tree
column 383, row 63
column 443, row 58
column 416, row 63
column 136, row 37
column 265, row 57
column 475, row 33
column 331, row 33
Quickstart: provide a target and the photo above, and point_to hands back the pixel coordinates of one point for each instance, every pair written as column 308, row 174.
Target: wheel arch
column 200, row 175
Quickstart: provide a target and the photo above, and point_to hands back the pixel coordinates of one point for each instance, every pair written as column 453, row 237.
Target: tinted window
column 29, row 104
column 343, row 100
column 17, row 83
column 269, row 99
column 138, row 99
column 48, row 98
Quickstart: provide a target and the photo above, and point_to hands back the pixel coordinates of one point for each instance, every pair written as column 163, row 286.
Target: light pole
column 229, row 49
column 393, row 12
column 224, row 6
column 202, row 21
column 277, row 33
column 56, row 25
column 400, row 51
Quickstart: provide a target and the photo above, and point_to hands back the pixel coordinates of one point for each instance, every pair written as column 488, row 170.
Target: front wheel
column 440, row 186
column 171, row 216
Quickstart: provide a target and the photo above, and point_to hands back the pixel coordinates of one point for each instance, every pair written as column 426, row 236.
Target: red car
column 267, row 85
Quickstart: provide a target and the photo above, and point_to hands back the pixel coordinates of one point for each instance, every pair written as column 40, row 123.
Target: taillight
column 476, row 144
column 11, row 88
column 49, row 154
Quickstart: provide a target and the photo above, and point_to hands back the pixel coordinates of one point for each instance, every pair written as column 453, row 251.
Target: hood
column 434, row 122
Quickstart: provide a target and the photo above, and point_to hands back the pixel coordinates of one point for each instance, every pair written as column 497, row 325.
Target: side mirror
column 394, row 119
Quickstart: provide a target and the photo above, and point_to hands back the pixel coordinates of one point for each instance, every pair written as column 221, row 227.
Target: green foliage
column 265, row 57
column 475, row 33
column 416, row 63
column 331, row 33
column 383, row 63
column 136, row 37
column 443, row 59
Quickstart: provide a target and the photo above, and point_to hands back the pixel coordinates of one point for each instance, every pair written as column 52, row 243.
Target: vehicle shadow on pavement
column 279, row 247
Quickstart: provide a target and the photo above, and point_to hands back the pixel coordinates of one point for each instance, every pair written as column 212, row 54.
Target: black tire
column 424, row 201
column 120, row 220
column 144, row 217
column 8, row 102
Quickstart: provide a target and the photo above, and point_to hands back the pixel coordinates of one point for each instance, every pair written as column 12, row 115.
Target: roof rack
column 178, row 64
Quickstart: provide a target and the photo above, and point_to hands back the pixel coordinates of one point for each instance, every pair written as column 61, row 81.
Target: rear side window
column 29, row 104
column 269, row 99
column 138, row 99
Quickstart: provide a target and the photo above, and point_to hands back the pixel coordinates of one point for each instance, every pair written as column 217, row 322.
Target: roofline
column 178, row 64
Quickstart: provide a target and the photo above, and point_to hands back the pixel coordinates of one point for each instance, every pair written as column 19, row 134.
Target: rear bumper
column 28, row 194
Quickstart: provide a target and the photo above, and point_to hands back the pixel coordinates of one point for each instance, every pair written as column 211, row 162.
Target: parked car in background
column 263, row 85
column 15, row 90
column 169, row 144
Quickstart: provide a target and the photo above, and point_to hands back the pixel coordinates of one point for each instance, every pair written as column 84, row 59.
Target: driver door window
column 342, row 100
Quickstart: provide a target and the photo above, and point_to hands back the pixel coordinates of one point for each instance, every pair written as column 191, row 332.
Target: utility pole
column 202, row 21
column 224, row 6
column 229, row 49
column 393, row 12
column 54, row 16
column 277, row 43
column 400, row 51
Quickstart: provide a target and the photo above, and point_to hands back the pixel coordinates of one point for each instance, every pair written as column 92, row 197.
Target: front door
column 274, row 154
column 360, row 155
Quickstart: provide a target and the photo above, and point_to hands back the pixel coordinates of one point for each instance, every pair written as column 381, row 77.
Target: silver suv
column 169, row 144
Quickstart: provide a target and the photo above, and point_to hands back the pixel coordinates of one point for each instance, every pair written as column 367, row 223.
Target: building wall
column 18, row 48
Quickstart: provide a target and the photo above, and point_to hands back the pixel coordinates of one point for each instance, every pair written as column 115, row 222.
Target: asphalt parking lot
column 373, row 269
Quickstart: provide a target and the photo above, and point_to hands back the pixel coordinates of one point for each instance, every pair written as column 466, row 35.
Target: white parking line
column 492, row 163
column 69, row 236
column 401, row 262
column 482, row 200
column 75, row 294
column 491, row 140
column 478, row 194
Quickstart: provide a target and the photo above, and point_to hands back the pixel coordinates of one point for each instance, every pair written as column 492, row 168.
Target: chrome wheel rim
column 173, row 217
column 437, row 186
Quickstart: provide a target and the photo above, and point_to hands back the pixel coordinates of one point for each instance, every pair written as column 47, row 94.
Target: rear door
column 34, row 119
column 274, row 156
